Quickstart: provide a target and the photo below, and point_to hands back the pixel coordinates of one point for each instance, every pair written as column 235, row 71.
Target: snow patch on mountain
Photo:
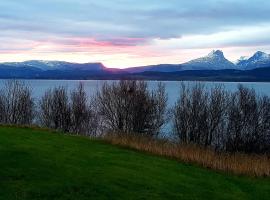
column 215, row 60
column 258, row 60
column 241, row 59
column 56, row 65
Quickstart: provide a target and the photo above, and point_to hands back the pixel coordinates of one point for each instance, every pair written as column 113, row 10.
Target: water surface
column 172, row 87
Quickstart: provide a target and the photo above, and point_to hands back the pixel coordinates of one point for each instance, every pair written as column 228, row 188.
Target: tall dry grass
column 237, row 163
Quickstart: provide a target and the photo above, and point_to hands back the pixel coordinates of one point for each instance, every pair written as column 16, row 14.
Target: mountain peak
column 216, row 53
column 213, row 61
column 260, row 54
column 259, row 59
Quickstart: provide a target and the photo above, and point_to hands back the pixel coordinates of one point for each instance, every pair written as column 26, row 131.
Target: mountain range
column 212, row 63
column 259, row 59
column 215, row 60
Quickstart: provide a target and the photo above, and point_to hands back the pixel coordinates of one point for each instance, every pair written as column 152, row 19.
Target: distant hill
column 233, row 75
column 51, row 69
column 56, row 65
column 159, row 68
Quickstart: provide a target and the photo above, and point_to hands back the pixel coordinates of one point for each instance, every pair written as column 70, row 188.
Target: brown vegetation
column 236, row 163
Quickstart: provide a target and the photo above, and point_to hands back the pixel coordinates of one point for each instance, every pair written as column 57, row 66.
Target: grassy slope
column 40, row 165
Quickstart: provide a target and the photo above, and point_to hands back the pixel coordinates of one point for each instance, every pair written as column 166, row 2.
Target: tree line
column 225, row 121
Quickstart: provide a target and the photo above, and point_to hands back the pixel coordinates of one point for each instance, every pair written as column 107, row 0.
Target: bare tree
column 55, row 109
column 181, row 115
column 242, row 119
column 83, row 118
column 16, row 103
column 216, row 117
column 248, row 120
column 128, row 107
column 159, row 117
column 3, row 113
column 190, row 114
column 264, row 125
column 238, row 121
column 46, row 110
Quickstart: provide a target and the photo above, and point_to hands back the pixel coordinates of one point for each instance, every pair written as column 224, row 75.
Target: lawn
column 37, row 164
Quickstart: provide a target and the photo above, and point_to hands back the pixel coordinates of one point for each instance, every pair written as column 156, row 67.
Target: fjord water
column 172, row 87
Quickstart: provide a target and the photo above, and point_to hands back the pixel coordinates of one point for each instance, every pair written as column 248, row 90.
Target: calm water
column 172, row 87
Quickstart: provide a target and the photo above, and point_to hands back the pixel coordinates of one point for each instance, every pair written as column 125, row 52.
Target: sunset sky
column 125, row 33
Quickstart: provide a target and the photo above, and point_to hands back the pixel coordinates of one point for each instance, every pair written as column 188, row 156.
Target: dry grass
column 240, row 164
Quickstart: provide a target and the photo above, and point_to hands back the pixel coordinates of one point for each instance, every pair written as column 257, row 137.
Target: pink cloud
column 132, row 46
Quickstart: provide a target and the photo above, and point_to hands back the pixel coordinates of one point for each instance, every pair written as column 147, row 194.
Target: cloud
column 131, row 18
column 240, row 37
column 132, row 27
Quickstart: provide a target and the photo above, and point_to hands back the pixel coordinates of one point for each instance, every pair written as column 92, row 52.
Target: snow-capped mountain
column 55, row 65
column 241, row 60
column 213, row 61
column 258, row 60
column 40, row 64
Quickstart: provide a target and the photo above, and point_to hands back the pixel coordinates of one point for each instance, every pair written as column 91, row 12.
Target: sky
column 128, row 33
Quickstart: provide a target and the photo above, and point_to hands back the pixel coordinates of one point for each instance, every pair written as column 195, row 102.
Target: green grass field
column 37, row 164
